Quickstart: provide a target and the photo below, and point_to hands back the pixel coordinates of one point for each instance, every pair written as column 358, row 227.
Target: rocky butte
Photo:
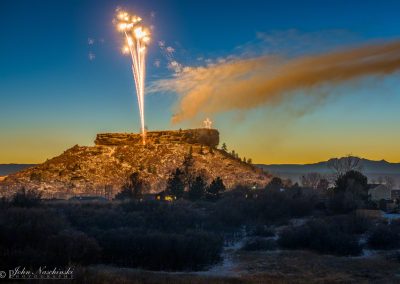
column 102, row 169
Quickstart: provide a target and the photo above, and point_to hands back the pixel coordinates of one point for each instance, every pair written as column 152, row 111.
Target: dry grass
column 262, row 267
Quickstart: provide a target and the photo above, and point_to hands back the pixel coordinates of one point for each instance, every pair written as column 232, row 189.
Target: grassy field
column 265, row 267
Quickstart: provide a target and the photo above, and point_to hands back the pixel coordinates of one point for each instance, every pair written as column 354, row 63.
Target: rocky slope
column 102, row 169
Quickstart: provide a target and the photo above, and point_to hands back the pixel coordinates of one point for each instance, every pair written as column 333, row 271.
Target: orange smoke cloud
column 243, row 84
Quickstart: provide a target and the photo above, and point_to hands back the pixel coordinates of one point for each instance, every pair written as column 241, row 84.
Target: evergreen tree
column 215, row 189
column 249, row 161
column 275, row 184
column 350, row 192
column 187, row 167
column 133, row 189
column 224, row 148
column 188, row 161
column 175, row 184
column 197, row 188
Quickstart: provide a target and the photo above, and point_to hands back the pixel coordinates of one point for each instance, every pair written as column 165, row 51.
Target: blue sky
column 53, row 96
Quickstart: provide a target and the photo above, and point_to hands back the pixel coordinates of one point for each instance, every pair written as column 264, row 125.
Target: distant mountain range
column 372, row 169
column 6, row 169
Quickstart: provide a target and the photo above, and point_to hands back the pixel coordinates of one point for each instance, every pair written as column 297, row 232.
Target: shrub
column 160, row 251
column 24, row 233
column 384, row 237
column 24, row 227
column 320, row 236
column 72, row 247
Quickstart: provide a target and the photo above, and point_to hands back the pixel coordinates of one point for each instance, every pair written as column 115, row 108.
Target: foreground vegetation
column 189, row 233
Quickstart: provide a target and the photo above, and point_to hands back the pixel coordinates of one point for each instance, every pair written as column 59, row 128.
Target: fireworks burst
column 137, row 38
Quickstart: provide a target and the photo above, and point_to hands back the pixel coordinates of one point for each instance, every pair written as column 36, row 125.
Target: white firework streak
column 136, row 39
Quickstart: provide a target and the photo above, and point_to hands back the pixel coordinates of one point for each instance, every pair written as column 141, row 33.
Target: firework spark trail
column 136, row 38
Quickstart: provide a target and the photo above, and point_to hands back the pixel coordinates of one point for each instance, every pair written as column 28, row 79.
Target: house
column 164, row 196
column 380, row 192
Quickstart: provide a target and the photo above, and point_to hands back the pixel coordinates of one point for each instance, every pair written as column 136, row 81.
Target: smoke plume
column 243, row 84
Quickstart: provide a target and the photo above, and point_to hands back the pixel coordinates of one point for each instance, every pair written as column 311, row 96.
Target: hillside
column 102, row 169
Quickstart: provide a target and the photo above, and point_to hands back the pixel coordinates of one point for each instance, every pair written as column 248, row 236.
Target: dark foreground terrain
column 280, row 233
column 266, row 267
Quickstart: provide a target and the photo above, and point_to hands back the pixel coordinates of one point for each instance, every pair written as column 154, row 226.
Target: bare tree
column 323, row 184
column 389, row 182
column 345, row 164
column 311, row 180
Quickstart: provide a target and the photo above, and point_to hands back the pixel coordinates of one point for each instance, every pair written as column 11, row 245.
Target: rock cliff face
column 102, row 169
column 207, row 137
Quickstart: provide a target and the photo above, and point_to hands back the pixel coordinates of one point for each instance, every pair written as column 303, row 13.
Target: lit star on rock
column 207, row 123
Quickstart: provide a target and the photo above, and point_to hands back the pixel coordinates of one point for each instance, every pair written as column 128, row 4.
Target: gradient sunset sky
column 63, row 77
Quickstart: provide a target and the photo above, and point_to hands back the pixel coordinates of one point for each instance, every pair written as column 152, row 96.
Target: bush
column 72, row 247
column 160, row 251
column 384, row 237
column 351, row 224
column 24, row 233
column 23, row 227
column 320, row 236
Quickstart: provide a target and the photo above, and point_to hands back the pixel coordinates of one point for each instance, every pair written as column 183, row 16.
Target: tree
column 188, row 161
column 345, row 164
column 323, row 184
column 287, row 183
column 187, row 168
column 389, row 182
column 175, row 184
column 311, row 180
column 26, row 198
column 197, row 188
column 215, row 189
column 249, row 161
column 275, row 184
column 350, row 192
column 244, row 160
column 132, row 189
column 224, row 148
